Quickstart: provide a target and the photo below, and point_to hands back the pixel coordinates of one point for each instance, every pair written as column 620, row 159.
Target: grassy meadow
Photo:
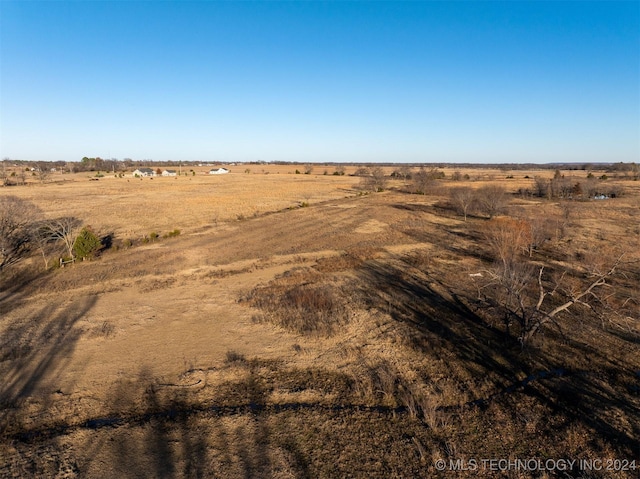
column 302, row 326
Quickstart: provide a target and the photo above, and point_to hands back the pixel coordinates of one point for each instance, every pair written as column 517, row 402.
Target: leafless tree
column 539, row 233
column 43, row 240
column 43, row 171
column 22, row 177
column 424, row 181
column 492, row 199
column 520, row 292
column 541, row 186
column 64, row 230
column 308, row 169
column 375, row 180
column 508, row 238
column 16, row 217
column 463, row 199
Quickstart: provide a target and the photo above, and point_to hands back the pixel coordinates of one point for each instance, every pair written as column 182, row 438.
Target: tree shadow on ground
column 439, row 318
column 165, row 432
column 34, row 351
column 442, row 322
column 14, row 286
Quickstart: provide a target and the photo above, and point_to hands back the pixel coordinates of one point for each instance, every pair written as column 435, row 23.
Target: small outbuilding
column 169, row 173
column 218, row 171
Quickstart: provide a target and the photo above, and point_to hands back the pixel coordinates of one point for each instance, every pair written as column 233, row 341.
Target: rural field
column 269, row 324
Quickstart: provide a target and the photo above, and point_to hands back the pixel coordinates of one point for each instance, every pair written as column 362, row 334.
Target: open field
column 350, row 337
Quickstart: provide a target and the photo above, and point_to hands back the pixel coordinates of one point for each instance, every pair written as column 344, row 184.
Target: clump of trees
column 17, row 219
column 567, row 188
column 489, row 200
column 24, row 231
column 520, row 289
column 522, row 292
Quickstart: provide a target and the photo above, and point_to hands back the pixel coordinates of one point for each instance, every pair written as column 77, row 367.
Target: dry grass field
column 297, row 327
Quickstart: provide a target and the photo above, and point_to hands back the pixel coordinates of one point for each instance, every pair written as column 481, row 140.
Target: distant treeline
column 115, row 165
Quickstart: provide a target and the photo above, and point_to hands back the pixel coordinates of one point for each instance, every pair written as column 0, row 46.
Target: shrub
column 87, row 244
column 304, row 309
column 234, row 357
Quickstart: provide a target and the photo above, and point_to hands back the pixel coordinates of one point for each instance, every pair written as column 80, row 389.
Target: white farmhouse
column 218, row 171
column 169, row 173
column 144, row 172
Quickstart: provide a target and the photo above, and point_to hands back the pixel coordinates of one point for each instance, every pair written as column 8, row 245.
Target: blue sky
column 466, row 81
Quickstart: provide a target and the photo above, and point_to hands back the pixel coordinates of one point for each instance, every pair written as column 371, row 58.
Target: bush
column 314, row 310
column 87, row 244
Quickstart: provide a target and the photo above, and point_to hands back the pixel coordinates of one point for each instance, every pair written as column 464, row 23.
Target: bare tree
column 43, row 171
column 22, row 177
column 539, row 233
column 508, row 238
column 492, row 199
column 463, row 199
column 16, row 217
column 308, row 169
column 63, row 229
column 541, row 186
column 375, row 180
column 42, row 239
column 520, row 292
column 424, row 180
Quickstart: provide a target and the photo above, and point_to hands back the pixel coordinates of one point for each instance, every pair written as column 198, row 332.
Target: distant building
column 144, row 172
column 169, row 173
column 218, row 171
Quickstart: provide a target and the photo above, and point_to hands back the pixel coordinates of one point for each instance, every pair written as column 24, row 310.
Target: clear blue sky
column 540, row 81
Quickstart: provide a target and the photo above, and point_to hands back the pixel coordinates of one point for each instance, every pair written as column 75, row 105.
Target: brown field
column 300, row 328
